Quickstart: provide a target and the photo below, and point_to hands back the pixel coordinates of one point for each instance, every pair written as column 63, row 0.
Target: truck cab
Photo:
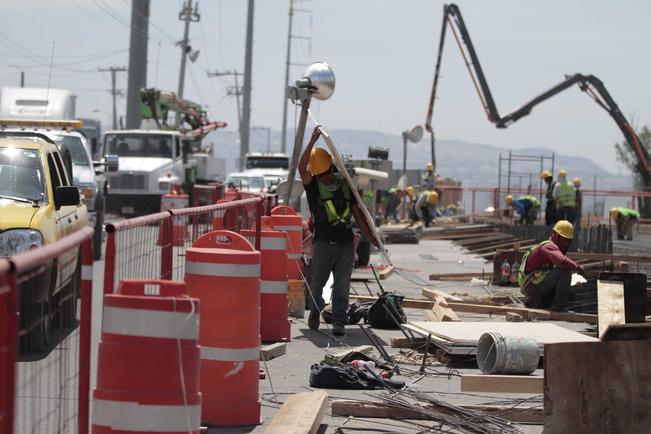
column 150, row 161
column 273, row 166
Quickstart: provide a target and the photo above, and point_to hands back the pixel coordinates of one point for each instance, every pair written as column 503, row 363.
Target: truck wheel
column 98, row 236
column 35, row 320
column 363, row 253
column 68, row 300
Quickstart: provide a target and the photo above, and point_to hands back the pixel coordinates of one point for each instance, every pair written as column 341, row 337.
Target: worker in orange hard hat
column 545, row 273
column 550, row 206
column 332, row 206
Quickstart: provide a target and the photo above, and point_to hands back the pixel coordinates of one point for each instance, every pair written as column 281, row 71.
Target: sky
column 383, row 55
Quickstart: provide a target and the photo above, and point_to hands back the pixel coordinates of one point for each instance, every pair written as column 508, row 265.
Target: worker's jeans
column 566, row 213
column 553, row 292
column 336, row 258
column 625, row 227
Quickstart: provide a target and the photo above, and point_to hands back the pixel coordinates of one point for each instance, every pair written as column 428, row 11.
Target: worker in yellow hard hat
column 545, row 273
column 550, row 205
column 429, row 178
column 625, row 219
column 527, row 207
column 332, row 206
column 565, row 196
column 425, row 208
column 410, row 201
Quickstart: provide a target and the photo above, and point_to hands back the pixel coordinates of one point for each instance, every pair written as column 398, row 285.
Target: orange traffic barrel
column 274, row 324
column 148, row 361
column 175, row 199
column 285, row 219
column 222, row 269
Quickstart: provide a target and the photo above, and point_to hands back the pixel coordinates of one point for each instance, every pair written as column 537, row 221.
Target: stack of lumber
column 403, row 233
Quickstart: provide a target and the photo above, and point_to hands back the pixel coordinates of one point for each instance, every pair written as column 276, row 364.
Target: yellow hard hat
column 410, row 190
column 576, row 182
column 430, row 166
column 546, row 174
column 320, row 161
column 508, row 199
column 562, row 172
column 433, row 197
column 614, row 213
column 564, row 228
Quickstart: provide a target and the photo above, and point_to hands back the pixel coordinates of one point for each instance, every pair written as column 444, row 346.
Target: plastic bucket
column 501, row 354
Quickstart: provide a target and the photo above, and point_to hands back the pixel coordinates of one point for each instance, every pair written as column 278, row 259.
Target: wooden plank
column 388, row 271
column 368, row 409
column 300, row 414
column 413, row 303
column 403, row 342
column 272, row 351
column 524, row 311
column 365, row 349
column 593, row 387
column 512, row 244
column 432, row 293
column 610, row 296
column 441, row 313
column 627, row 332
column 608, row 257
column 502, row 383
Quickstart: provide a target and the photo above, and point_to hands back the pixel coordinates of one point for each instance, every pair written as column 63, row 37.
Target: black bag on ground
column 386, row 312
column 326, row 376
column 356, row 312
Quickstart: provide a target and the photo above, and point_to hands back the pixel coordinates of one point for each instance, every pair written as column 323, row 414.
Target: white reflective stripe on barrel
column 223, row 270
column 294, row 255
column 230, row 354
column 86, row 272
column 273, row 243
column 289, row 228
column 150, row 323
column 132, row 416
column 273, row 287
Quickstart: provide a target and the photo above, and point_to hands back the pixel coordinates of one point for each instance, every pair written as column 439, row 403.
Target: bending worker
column 545, row 273
column 527, row 207
column 625, row 219
column 565, row 198
column 392, row 200
column 550, row 206
column 424, row 208
column 331, row 204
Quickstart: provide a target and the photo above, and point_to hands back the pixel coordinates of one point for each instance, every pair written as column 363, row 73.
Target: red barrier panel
column 286, row 220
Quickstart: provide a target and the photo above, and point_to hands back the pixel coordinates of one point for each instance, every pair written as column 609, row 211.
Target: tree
column 641, row 179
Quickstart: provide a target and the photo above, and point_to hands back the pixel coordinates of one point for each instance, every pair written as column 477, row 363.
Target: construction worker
column 545, row 273
column 565, row 198
column 429, row 179
column 527, row 207
column 425, row 206
column 625, row 219
column 576, row 182
column 331, row 204
column 410, row 201
column 392, row 200
column 550, row 205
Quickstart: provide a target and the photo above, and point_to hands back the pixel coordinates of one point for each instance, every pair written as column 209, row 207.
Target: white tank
column 37, row 103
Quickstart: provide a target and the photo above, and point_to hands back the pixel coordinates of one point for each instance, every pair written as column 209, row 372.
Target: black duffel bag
column 386, row 312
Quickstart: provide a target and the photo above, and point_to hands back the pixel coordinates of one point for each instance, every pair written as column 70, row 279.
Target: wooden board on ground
column 403, row 342
column 388, row 271
column 365, row 349
column 595, row 387
column 432, row 293
column 272, row 351
column 502, row 383
column 525, row 312
column 355, row 408
column 440, row 312
column 300, row 414
column 610, row 296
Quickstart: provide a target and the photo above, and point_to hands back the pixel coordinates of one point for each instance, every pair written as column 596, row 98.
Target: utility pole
column 246, row 100
column 233, row 91
column 137, row 60
column 288, row 64
column 188, row 15
column 22, row 78
column 114, row 91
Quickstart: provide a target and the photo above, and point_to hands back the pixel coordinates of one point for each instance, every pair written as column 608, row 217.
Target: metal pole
column 594, row 195
column 404, row 154
column 22, row 78
column 137, row 60
column 237, row 104
column 283, row 139
column 248, row 64
column 114, row 94
column 433, row 150
column 496, row 204
column 268, row 139
column 508, row 176
column 185, row 15
column 298, row 146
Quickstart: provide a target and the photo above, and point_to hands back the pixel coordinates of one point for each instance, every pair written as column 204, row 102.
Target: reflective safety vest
column 327, row 199
column 535, row 277
column 628, row 212
column 534, row 200
column 566, row 195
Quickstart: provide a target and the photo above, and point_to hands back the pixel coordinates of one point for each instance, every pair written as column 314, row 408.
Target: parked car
column 247, row 182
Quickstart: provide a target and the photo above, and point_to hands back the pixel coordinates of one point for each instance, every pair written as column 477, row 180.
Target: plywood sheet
column 610, row 296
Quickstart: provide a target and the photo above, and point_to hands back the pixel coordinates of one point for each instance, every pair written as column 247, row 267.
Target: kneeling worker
column 527, row 206
column 331, row 204
column 625, row 219
column 545, row 274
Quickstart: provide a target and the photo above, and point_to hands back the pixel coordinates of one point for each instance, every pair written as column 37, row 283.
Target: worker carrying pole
column 331, row 205
column 527, row 207
column 545, row 274
column 625, row 219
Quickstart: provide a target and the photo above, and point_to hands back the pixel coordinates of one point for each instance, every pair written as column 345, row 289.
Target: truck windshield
column 267, row 163
column 76, row 147
column 247, row 183
column 139, row 145
column 21, row 175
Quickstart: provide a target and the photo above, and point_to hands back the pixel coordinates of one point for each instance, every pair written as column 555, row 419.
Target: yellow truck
column 39, row 205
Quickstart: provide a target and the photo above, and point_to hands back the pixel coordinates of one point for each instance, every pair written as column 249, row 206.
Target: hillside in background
column 472, row 164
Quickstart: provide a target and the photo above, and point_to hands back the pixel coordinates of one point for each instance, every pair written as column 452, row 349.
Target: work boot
column 338, row 330
column 314, row 319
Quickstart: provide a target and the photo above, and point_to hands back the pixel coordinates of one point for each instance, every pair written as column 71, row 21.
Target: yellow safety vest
column 535, row 277
column 327, row 199
column 566, row 195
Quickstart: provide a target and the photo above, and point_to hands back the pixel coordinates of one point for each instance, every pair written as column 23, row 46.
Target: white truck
column 273, row 166
column 37, row 103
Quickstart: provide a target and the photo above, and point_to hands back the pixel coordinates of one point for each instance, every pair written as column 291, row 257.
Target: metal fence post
column 109, row 260
column 85, row 336
column 167, row 251
column 258, row 223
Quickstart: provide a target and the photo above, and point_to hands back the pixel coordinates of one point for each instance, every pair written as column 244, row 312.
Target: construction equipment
column 587, row 83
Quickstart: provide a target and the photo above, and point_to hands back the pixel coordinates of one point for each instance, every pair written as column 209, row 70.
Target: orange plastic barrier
column 222, row 270
column 285, row 219
column 175, row 199
column 148, row 361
